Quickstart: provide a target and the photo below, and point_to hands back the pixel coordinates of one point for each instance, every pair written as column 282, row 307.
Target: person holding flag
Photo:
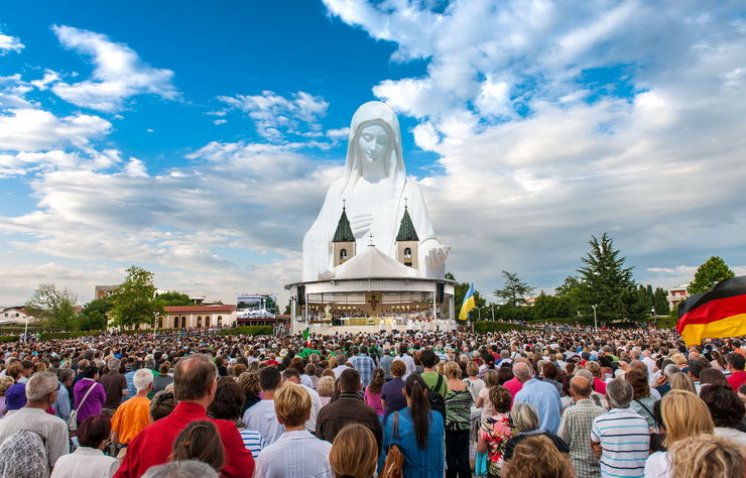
column 469, row 303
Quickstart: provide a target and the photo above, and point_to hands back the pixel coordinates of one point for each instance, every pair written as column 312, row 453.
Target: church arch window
column 407, row 253
column 207, row 322
column 199, row 322
column 343, row 254
column 176, row 322
column 183, row 322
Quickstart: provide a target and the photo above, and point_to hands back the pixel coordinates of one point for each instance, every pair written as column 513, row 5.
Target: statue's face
column 373, row 142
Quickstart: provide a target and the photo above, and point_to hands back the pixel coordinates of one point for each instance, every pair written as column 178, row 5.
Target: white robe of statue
column 375, row 189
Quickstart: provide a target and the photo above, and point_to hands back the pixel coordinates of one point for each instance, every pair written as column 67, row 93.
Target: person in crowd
column 543, row 396
column 684, row 415
column 354, row 453
column 261, row 417
column 681, row 381
column 62, row 404
column 200, row 441
column 249, row 382
column 404, row 356
column 386, row 361
column 575, row 428
column 418, row 432
column 710, row 376
column 162, row 405
column 348, row 408
column 599, row 386
column 163, row 380
column 5, row 384
column 129, row 376
column 133, row 415
column 549, row 374
column 458, row 404
column 727, row 411
column 642, row 402
column 195, row 384
column 392, row 394
column 527, row 424
column 115, row 385
column 293, row 376
column 611, row 432
column 325, row 389
column 735, row 365
column 362, row 362
column 433, row 380
column 341, row 364
column 89, row 395
column 88, row 460
column 297, row 453
column 27, row 369
column 41, row 393
column 308, row 377
column 538, row 457
column 229, row 398
column 704, row 456
column 494, row 433
column 373, row 392
column 22, row 455
column 483, row 403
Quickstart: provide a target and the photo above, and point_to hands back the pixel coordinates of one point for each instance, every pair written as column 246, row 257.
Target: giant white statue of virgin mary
column 375, row 191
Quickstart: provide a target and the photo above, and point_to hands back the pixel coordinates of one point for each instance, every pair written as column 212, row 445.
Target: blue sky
column 198, row 141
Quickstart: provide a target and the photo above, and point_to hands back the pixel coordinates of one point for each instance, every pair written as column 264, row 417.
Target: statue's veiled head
column 375, row 140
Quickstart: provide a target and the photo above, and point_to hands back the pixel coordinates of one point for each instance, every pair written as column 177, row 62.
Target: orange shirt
column 131, row 418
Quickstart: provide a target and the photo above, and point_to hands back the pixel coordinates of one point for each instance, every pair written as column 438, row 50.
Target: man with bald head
column 195, row 383
column 542, row 395
column 575, row 428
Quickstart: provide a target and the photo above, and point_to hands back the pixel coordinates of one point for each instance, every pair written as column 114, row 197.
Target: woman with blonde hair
column 707, row 456
column 684, row 415
column 538, row 457
column 681, row 381
column 354, row 452
column 325, row 389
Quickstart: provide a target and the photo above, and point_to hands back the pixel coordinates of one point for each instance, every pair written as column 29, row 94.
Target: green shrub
column 487, row 326
column 248, row 330
column 8, row 338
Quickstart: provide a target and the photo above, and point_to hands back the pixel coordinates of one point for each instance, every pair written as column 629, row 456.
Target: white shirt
column 315, row 407
column 736, row 436
column 339, row 369
column 296, row 454
column 261, row 417
column 85, row 463
column 658, row 465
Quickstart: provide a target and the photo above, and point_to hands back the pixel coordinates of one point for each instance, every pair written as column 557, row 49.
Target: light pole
column 492, row 308
column 595, row 322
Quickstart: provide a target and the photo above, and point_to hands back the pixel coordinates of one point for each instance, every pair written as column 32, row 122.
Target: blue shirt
column 62, row 404
column 418, row 463
column 545, row 399
column 365, row 366
column 132, row 391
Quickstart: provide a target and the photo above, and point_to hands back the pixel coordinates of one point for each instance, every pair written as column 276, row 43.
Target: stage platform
column 324, row 329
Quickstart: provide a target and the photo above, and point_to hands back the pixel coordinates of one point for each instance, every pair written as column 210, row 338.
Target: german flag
column 718, row 313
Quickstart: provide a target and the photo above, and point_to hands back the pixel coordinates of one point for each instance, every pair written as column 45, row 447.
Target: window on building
column 160, row 322
column 176, row 322
column 220, row 320
column 199, row 322
column 407, row 253
column 343, row 254
column 183, row 322
column 207, row 322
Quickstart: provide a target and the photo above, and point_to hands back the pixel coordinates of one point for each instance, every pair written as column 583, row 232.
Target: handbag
column 393, row 467
column 72, row 422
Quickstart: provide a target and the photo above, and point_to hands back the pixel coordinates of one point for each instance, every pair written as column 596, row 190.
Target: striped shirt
column 253, row 441
column 625, row 441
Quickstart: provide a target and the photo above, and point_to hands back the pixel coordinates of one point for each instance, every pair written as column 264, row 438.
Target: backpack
column 437, row 402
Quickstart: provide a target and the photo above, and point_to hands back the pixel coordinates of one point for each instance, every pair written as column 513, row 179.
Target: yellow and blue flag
column 468, row 304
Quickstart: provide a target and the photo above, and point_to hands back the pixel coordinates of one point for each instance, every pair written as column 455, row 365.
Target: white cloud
column 49, row 77
column 13, row 92
column 276, row 116
column 119, row 73
column 38, row 130
column 10, row 43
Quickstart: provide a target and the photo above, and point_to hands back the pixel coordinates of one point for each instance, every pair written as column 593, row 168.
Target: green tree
column 515, row 291
column 53, row 307
column 660, row 301
column 605, row 281
column 134, row 301
column 94, row 315
column 174, row 298
column 714, row 270
column 551, row 307
column 459, row 292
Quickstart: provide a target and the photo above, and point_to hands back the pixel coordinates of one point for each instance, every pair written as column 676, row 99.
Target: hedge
column 248, row 330
column 488, row 326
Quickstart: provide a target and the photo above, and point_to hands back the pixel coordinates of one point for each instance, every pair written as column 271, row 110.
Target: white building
column 15, row 316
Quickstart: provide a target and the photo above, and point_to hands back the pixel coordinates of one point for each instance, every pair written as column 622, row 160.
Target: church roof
column 406, row 230
column 372, row 262
column 343, row 232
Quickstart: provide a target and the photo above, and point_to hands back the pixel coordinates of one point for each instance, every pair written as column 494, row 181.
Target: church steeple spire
column 344, row 231
column 406, row 229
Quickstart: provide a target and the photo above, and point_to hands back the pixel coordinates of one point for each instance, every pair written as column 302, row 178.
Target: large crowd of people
column 536, row 403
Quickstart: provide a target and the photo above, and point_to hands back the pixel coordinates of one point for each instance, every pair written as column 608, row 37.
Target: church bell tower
column 344, row 242
column 407, row 241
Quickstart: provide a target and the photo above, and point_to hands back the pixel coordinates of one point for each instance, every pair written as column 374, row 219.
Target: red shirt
column 514, row 386
column 153, row 445
column 599, row 385
column 736, row 379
